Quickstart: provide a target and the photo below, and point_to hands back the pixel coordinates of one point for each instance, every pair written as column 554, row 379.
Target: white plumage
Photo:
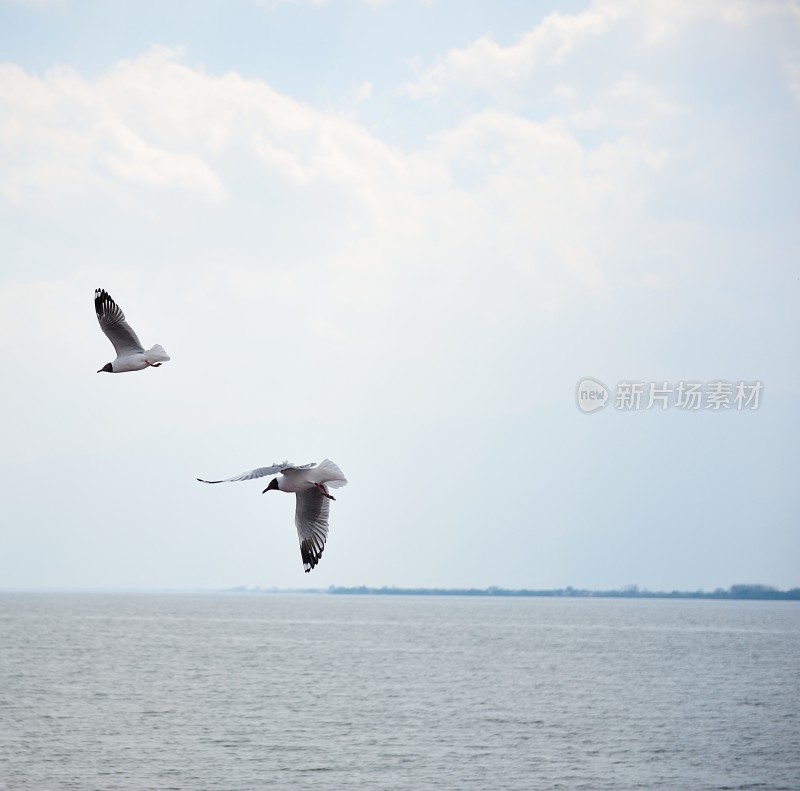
column 310, row 483
column 131, row 355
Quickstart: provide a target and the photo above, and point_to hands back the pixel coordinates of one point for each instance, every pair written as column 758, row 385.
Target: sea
column 244, row 691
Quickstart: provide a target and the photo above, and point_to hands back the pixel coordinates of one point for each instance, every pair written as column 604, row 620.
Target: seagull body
column 310, row 483
column 131, row 355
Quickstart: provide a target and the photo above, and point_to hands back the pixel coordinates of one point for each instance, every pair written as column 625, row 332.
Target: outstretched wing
column 260, row 472
column 112, row 322
column 311, row 520
column 249, row 475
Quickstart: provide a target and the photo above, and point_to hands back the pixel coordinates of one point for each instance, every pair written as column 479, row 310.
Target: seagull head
column 273, row 484
column 106, row 369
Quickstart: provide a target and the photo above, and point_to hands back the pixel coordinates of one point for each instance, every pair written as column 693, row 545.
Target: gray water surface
column 244, row 691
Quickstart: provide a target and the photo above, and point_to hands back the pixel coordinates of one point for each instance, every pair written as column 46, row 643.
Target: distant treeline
column 629, row 592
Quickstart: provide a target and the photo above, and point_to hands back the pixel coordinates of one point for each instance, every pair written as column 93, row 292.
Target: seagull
column 310, row 482
column 131, row 355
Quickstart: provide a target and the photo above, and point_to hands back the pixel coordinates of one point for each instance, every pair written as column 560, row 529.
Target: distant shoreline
column 734, row 593
column 737, row 592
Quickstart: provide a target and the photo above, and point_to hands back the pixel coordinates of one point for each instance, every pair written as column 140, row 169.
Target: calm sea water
column 246, row 692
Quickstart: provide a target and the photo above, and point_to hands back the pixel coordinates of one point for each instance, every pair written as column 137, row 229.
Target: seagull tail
column 156, row 355
column 329, row 473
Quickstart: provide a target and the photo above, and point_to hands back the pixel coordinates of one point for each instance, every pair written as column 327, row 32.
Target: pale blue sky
column 398, row 234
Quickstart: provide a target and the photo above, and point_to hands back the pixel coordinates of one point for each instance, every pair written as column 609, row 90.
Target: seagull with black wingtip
column 131, row 355
column 310, row 482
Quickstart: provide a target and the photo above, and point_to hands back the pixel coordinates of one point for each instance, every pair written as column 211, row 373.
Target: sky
column 399, row 234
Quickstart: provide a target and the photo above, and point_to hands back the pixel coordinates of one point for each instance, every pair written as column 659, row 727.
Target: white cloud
column 630, row 105
column 322, row 290
column 158, row 123
column 378, row 238
column 664, row 19
column 61, row 133
column 130, row 158
column 486, row 65
column 391, row 259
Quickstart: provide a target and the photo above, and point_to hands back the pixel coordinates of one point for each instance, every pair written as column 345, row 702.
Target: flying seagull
column 310, row 482
column 131, row 355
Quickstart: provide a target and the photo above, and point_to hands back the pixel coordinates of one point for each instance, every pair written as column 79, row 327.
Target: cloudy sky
column 398, row 234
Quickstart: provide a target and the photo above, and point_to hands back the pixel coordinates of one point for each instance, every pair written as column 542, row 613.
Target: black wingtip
column 101, row 299
column 310, row 555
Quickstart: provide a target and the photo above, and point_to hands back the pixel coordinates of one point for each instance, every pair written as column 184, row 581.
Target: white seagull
column 310, row 482
column 131, row 355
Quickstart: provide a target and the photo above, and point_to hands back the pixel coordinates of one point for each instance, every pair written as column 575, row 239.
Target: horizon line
column 736, row 591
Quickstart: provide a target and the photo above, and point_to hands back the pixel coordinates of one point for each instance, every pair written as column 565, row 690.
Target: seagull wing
column 311, row 520
column 249, row 475
column 260, row 472
column 112, row 322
